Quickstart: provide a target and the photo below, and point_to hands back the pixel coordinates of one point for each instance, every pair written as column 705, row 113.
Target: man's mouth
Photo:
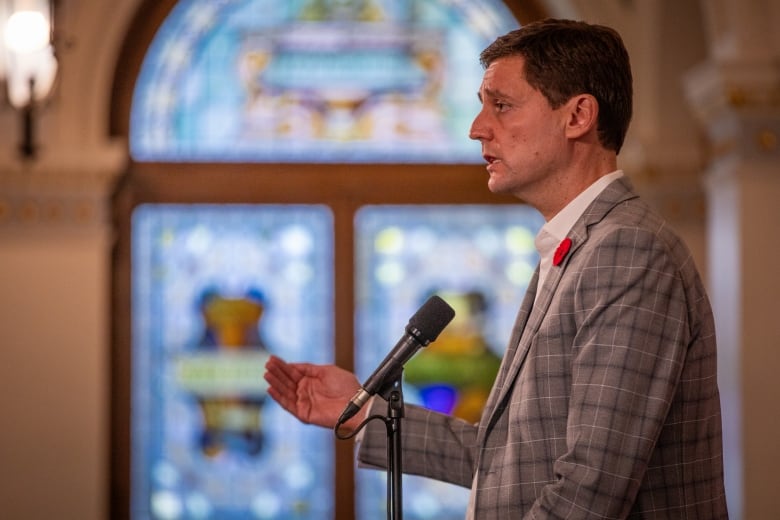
column 491, row 161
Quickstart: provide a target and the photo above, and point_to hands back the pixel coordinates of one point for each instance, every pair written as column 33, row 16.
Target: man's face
column 522, row 137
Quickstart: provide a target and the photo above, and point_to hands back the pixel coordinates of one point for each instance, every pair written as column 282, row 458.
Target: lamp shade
column 26, row 32
column 30, row 65
column 30, row 76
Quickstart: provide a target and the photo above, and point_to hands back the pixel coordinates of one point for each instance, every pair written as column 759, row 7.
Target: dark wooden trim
column 316, row 183
column 140, row 33
column 120, row 358
column 343, row 187
column 344, row 296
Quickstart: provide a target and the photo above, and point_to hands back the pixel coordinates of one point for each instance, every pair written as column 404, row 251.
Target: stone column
column 736, row 96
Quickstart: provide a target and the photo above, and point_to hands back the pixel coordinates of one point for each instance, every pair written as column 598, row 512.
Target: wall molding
column 59, row 199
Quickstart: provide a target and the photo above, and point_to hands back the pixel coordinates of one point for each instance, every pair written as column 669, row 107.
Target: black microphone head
column 430, row 319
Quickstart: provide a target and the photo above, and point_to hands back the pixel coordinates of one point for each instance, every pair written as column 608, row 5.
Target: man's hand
column 315, row 394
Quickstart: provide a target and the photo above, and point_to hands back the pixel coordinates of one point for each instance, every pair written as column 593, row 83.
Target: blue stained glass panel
column 314, row 81
column 480, row 260
column 216, row 289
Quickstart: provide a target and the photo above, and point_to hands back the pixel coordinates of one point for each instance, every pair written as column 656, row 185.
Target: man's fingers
column 282, row 375
column 284, row 401
column 283, row 379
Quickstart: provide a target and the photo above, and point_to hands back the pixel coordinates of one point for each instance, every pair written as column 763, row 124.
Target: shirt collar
column 558, row 226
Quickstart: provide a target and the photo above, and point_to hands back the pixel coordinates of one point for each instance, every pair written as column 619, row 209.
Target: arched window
column 300, row 180
column 314, row 81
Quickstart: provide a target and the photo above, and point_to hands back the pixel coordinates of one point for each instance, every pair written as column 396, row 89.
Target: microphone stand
column 395, row 412
column 391, row 392
column 431, row 318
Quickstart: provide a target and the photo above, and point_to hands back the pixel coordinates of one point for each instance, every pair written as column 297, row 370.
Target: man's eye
column 500, row 106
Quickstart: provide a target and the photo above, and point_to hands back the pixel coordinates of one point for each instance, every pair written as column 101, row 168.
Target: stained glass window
column 314, row 81
column 218, row 287
column 215, row 290
column 477, row 258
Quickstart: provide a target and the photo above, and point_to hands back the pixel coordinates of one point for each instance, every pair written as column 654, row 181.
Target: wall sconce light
column 28, row 65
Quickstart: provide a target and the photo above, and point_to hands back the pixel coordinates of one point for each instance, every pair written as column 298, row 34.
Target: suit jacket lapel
column 508, row 361
column 517, row 330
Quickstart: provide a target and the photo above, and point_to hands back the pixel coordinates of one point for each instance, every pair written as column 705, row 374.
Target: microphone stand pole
column 395, row 412
column 391, row 392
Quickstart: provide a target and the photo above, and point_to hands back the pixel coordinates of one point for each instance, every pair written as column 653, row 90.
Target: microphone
column 424, row 327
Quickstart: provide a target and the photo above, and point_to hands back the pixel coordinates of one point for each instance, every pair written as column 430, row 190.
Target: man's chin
column 495, row 186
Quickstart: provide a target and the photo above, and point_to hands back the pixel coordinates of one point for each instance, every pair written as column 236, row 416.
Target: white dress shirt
column 554, row 231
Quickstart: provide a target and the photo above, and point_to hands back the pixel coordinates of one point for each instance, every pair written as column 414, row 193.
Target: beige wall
column 53, row 368
column 55, row 240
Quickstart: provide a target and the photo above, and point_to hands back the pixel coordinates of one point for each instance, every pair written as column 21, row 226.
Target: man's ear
column 583, row 115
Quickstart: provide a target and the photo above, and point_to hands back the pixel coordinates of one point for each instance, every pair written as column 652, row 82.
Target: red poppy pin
column 562, row 251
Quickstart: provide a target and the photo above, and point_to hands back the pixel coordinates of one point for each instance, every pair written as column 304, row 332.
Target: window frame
column 345, row 188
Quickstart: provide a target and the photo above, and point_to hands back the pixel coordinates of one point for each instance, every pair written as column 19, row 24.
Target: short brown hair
column 564, row 58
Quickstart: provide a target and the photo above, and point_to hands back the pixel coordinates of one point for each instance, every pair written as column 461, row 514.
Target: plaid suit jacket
column 606, row 404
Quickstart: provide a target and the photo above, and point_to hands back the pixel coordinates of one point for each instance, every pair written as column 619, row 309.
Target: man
column 606, row 404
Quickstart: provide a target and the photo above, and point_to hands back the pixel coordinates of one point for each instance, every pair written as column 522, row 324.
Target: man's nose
column 478, row 130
